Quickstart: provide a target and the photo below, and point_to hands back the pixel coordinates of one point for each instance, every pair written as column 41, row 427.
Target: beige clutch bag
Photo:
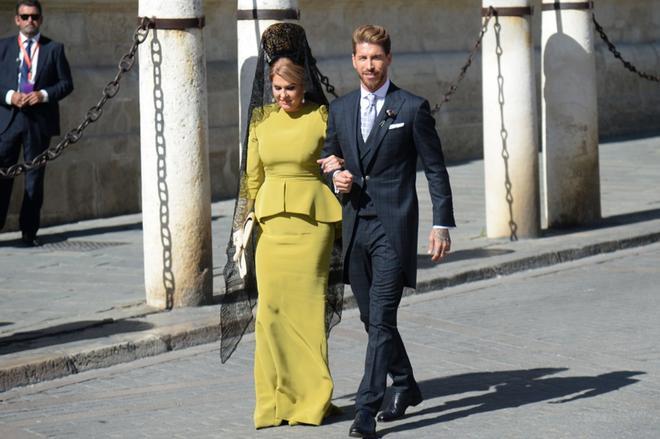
column 241, row 238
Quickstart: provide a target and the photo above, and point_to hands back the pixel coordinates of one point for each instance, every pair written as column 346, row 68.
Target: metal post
column 176, row 194
column 570, row 114
column 510, row 126
column 253, row 18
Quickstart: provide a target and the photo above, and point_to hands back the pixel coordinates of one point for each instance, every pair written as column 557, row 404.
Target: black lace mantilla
column 240, row 297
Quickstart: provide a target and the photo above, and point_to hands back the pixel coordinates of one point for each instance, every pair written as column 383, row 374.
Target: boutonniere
column 390, row 114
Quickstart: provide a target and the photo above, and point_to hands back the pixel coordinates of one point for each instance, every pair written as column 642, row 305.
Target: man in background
column 34, row 77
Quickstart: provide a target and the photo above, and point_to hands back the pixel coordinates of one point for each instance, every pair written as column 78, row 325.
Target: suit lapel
column 351, row 122
column 11, row 55
column 393, row 102
column 44, row 52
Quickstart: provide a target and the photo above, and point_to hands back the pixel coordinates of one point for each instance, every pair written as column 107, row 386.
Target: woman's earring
column 272, row 99
column 303, row 100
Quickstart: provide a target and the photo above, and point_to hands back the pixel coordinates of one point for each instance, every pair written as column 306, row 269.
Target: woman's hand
column 330, row 164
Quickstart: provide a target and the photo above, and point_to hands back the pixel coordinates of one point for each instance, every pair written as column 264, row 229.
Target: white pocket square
column 396, row 125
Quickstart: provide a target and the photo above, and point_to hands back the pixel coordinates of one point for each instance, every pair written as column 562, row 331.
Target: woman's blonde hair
column 288, row 70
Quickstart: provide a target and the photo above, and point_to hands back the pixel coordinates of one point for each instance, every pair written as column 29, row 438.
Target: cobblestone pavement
column 568, row 351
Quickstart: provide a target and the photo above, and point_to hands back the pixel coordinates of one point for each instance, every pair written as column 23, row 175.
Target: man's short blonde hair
column 372, row 34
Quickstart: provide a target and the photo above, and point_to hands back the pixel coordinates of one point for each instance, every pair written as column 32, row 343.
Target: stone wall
column 100, row 175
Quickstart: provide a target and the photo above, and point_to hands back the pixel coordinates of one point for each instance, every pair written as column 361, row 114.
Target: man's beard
column 30, row 31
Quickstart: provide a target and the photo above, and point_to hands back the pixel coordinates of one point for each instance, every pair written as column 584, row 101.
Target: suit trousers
column 377, row 280
column 23, row 132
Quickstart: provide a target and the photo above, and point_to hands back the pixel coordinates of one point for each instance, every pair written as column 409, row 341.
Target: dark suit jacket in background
column 388, row 169
column 53, row 75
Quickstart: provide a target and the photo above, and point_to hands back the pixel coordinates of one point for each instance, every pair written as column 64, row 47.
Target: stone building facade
column 100, row 175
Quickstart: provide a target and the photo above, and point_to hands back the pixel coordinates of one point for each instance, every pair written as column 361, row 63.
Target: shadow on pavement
column 63, row 236
column 472, row 382
column 424, row 260
column 630, row 218
column 343, row 414
column 608, row 221
column 508, row 389
column 69, row 332
column 52, row 238
column 16, row 243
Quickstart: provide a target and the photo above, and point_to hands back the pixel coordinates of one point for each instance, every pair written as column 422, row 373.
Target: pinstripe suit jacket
column 387, row 168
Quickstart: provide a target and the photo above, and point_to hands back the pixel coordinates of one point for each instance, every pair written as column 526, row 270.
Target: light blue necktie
column 368, row 116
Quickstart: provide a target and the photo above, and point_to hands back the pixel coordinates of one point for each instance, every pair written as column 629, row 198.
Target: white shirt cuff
column 44, row 93
column 8, row 96
column 333, row 180
column 442, row 227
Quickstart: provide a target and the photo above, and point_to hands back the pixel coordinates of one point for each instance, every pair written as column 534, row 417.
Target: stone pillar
column 570, row 114
column 509, row 123
column 176, row 196
column 253, row 18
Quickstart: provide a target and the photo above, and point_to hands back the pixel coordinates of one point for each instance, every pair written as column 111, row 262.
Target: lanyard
column 26, row 56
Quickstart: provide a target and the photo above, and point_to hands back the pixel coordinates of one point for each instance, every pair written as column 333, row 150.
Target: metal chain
column 326, row 82
column 93, row 114
column 504, row 133
column 454, row 85
column 617, row 54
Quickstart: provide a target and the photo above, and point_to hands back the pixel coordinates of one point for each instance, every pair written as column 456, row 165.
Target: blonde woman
column 297, row 215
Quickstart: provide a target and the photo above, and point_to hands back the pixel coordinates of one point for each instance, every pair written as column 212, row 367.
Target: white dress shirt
column 380, row 97
column 33, row 69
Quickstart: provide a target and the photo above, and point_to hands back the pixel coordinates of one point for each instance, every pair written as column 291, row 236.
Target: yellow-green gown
column 297, row 213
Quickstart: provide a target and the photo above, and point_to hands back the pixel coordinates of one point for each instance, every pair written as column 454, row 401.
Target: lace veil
column 237, row 304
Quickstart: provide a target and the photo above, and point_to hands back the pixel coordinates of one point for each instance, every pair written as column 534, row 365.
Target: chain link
column 617, row 54
column 93, row 114
column 504, row 133
column 454, row 85
column 326, row 83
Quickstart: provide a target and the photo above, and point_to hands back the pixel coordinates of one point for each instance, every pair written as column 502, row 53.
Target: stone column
column 510, row 127
column 176, row 195
column 253, row 18
column 570, row 114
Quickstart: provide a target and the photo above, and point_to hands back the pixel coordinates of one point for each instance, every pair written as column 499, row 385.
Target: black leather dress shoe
column 364, row 426
column 396, row 409
column 30, row 241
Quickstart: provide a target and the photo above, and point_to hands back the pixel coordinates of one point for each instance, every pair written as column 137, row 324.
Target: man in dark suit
column 34, row 76
column 377, row 133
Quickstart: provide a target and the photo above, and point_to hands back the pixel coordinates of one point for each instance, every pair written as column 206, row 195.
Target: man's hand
column 330, row 164
column 18, row 99
column 439, row 243
column 343, row 181
column 33, row 98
